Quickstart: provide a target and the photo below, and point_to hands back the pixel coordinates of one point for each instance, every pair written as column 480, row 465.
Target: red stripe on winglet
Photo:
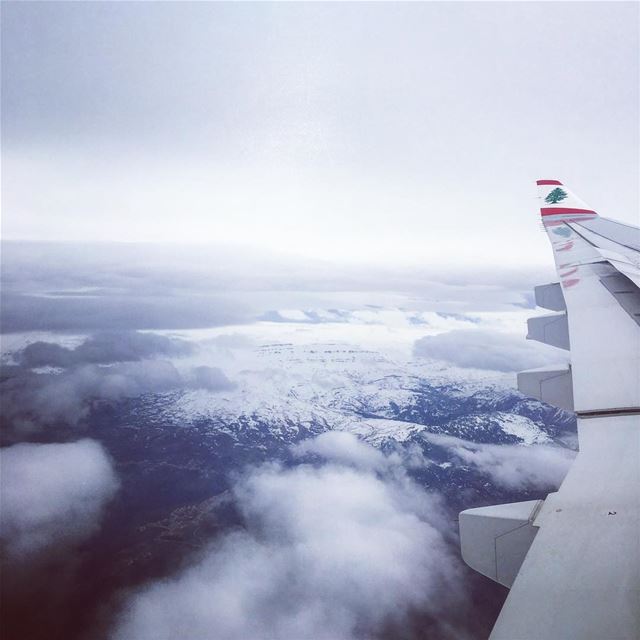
column 539, row 182
column 551, row 211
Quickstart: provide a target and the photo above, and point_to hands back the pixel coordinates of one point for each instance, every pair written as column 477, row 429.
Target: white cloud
column 518, row 466
column 210, row 378
column 104, row 348
column 512, row 466
column 53, row 495
column 343, row 448
column 329, row 553
column 478, row 349
column 34, row 401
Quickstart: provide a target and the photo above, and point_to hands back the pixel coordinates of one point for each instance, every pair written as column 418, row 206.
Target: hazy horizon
column 386, row 133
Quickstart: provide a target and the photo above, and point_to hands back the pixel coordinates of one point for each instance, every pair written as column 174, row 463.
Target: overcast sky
column 369, row 132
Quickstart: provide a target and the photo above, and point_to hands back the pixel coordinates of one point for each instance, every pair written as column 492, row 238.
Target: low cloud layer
column 104, row 348
column 32, row 401
column 104, row 367
column 35, row 400
column 331, row 551
column 519, row 467
column 209, row 378
column 343, row 448
column 53, row 495
column 477, row 349
column 516, row 467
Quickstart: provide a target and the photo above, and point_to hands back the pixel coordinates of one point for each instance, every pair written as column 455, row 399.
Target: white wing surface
column 572, row 561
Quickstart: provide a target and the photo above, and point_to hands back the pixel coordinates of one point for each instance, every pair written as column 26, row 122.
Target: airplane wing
column 572, row 561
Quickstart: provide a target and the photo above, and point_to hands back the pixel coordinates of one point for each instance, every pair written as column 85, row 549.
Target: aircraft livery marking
column 556, row 196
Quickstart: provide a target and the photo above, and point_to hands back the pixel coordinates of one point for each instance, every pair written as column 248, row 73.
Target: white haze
column 332, row 551
column 515, row 467
column 368, row 132
column 53, row 495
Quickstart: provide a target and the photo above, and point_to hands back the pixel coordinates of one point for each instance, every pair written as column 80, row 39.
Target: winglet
column 561, row 203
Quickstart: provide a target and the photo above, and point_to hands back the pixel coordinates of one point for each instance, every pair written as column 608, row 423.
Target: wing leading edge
column 572, row 561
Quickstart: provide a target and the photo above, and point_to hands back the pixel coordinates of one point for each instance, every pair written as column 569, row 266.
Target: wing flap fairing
column 495, row 540
column 549, row 296
column 551, row 329
column 552, row 385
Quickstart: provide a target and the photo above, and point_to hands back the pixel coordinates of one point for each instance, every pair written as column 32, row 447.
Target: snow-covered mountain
column 298, row 388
